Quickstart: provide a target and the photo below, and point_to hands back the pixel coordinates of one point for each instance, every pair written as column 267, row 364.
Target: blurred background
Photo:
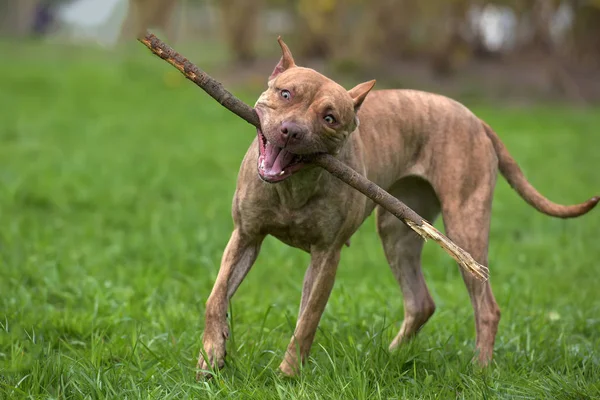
column 503, row 49
column 117, row 176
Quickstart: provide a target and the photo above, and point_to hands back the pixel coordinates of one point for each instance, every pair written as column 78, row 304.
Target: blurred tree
column 585, row 39
column 16, row 17
column 433, row 29
column 147, row 14
column 542, row 43
column 25, row 17
column 239, row 20
column 385, row 30
column 451, row 48
column 317, row 24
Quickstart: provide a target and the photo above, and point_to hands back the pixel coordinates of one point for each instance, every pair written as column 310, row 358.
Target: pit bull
column 429, row 151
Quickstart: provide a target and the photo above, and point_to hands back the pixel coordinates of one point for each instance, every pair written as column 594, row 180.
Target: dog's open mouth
column 275, row 163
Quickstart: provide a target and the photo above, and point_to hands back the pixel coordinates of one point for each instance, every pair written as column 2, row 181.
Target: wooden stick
column 325, row 161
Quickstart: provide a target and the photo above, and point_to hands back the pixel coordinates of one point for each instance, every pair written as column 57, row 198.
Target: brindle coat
column 427, row 150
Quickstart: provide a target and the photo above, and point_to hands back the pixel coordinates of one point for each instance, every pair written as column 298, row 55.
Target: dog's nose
column 291, row 131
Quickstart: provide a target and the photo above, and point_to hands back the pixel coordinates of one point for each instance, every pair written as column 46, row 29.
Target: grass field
column 115, row 193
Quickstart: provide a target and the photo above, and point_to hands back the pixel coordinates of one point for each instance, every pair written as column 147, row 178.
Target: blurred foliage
column 147, row 14
column 239, row 24
column 362, row 34
column 435, row 28
column 17, row 17
column 365, row 33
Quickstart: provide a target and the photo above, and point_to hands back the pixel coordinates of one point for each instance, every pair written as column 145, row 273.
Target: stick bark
column 331, row 164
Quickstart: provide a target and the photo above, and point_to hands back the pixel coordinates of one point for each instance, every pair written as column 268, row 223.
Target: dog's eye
column 329, row 119
column 286, row 94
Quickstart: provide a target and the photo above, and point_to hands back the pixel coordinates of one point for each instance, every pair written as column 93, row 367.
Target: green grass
column 115, row 194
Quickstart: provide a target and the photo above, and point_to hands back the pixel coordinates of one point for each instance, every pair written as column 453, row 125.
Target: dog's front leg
column 318, row 283
column 238, row 258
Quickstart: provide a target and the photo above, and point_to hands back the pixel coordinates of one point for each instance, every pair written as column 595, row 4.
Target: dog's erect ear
column 286, row 62
column 360, row 92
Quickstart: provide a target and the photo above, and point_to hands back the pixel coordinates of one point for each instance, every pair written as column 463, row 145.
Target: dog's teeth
column 281, row 173
column 262, row 164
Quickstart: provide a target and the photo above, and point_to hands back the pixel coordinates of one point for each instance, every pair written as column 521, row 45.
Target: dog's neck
column 300, row 188
column 296, row 191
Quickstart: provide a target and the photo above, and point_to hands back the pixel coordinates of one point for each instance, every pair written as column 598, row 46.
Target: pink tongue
column 277, row 159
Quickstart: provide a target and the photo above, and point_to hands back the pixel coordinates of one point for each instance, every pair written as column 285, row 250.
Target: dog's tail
column 513, row 174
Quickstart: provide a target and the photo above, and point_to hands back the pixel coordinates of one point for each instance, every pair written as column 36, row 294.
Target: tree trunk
column 586, row 34
column 16, row 17
column 386, row 27
column 148, row 14
column 558, row 75
column 318, row 27
column 239, row 21
column 451, row 47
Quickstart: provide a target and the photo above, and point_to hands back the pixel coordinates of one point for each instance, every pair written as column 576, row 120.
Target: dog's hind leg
column 402, row 247
column 239, row 256
column 467, row 223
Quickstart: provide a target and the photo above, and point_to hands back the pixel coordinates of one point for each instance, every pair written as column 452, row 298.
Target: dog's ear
column 360, row 92
column 286, row 61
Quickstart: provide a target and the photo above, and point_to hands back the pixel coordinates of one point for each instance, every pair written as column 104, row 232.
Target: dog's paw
column 210, row 360
column 483, row 357
column 398, row 341
column 206, row 369
column 289, row 368
column 212, row 357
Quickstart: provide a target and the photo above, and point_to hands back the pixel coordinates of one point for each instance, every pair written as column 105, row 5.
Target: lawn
column 116, row 182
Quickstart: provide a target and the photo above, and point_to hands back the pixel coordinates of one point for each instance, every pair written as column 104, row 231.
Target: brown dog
column 429, row 151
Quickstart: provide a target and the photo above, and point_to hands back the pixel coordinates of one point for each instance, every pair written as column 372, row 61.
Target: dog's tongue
column 276, row 159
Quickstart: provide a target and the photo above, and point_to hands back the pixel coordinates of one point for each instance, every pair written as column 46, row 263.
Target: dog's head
column 301, row 113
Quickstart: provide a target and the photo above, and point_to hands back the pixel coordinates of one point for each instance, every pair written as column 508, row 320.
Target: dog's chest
column 318, row 222
column 303, row 228
column 297, row 230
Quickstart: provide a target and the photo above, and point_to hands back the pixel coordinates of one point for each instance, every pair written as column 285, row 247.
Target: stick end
column 480, row 272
